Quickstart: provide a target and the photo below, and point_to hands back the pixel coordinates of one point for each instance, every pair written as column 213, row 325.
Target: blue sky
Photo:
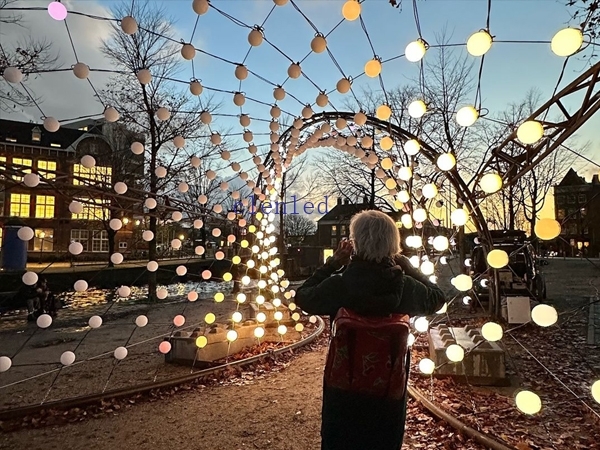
column 510, row 70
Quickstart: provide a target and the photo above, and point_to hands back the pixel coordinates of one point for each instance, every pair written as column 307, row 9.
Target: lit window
column 2, row 165
column 43, row 240
column 20, row 205
column 97, row 174
column 24, row 167
column 1, row 230
column 47, row 169
column 93, row 209
column 333, row 230
column 82, row 237
column 100, row 241
column 343, row 230
column 44, row 207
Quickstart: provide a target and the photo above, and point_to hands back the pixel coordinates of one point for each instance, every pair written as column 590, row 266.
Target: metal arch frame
column 462, row 188
column 512, row 167
column 402, row 135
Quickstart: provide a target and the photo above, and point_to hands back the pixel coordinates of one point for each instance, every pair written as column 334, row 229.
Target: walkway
column 278, row 411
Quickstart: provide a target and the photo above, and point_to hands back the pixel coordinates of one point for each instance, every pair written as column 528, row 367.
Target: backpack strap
column 351, row 350
column 394, row 358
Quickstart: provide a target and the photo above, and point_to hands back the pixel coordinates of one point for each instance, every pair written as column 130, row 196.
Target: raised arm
column 419, row 296
column 319, row 294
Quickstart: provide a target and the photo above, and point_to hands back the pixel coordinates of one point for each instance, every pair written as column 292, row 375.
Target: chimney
column 346, row 201
column 36, row 134
column 595, row 179
column 339, row 201
column 366, row 200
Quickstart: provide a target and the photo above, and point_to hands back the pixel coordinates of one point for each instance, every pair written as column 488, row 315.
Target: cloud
column 61, row 94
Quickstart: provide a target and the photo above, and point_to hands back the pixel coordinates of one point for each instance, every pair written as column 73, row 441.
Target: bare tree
column 518, row 206
column 30, row 55
column 154, row 48
column 587, row 12
column 298, row 227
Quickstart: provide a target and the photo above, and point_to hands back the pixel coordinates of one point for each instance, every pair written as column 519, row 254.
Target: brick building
column 56, row 157
column 577, row 208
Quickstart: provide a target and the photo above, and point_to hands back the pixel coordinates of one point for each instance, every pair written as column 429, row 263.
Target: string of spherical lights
column 373, row 152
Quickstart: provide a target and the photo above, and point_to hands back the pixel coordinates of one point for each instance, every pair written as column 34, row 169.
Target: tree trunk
column 372, row 193
column 203, row 239
column 511, row 209
column 111, row 244
column 154, row 147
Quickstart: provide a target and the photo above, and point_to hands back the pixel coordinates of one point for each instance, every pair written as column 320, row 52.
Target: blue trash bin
column 14, row 250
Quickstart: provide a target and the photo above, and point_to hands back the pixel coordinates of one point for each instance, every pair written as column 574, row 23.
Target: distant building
column 577, row 208
column 56, row 157
column 335, row 226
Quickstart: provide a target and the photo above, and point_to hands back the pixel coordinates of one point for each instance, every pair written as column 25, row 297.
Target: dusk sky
column 510, row 69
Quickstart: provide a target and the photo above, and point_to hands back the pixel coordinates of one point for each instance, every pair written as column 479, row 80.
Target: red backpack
column 368, row 355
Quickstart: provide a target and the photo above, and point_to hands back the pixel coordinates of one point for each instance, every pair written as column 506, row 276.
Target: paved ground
column 280, row 411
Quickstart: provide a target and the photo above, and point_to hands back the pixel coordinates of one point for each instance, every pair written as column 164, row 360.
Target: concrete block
column 185, row 351
column 483, row 364
column 269, row 311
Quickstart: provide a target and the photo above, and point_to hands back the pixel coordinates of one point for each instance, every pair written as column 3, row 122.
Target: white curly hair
column 374, row 235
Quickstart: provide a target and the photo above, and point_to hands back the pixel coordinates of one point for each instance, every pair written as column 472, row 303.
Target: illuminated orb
column 455, row 353
column 497, row 259
column 459, row 217
column 544, row 315
column 567, row 42
column 232, row 335
column 467, row 116
column 141, row 321
column 201, row 341
column 479, row 43
column 5, row 363
column 528, row 402
column 417, row 109
column 383, row 112
column 492, row 331
column 164, row 347
column 440, row 243
column 57, row 11
column 490, row 183
column 351, row 10
column 421, row 324
column 426, row 366
column 547, row 229
column 596, row 390
column 415, row 51
column 530, row 132
column 446, row 161
column 67, row 358
column 463, row 282
column 210, row 318
column 373, row 68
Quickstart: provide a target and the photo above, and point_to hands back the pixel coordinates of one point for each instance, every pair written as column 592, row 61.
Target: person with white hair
column 377, row 283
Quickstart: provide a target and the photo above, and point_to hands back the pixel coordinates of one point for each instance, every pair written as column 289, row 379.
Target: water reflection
column 177, row 291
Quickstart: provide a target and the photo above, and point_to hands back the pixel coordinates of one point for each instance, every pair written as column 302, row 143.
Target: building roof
column 21, row 133
column 572, row 179
column 344, row 212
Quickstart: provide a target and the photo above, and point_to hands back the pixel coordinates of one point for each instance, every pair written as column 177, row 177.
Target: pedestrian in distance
column 369, row 290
